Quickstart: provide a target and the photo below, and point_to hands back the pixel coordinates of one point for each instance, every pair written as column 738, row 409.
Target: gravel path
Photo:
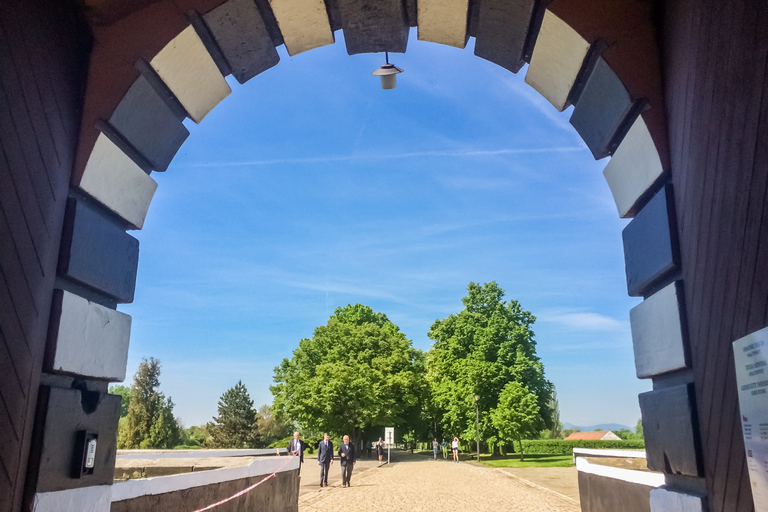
column 436, row 486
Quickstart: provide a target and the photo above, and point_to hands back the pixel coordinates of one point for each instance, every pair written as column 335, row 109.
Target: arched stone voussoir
column 503, row 31
column 604, row 110
column 303, row 23
column 190, row 73
column 117, row 182
column 242, row 36
column 373, row 26
column 635, row 170
column 557, row 59
column 444, row 21
column 148, row 126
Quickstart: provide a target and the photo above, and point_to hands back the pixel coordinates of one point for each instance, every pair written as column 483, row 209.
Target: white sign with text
column 751, row 359
column 389, row 435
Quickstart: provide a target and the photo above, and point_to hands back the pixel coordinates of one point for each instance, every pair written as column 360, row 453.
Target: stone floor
column 412, row 482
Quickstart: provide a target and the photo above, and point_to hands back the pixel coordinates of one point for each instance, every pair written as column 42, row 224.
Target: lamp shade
column 388, row 74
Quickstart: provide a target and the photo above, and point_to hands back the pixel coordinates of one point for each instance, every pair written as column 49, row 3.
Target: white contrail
column 415, row 154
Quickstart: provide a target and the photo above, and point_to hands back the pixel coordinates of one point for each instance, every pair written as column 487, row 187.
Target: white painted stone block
column 92, row 340
column 556, row 60
column 633, row 168
column 85, row 499
column 443, row 21
column 303, row 23
column 190, row 73
column 663, row 500
column 657, row 335
column 115, row 180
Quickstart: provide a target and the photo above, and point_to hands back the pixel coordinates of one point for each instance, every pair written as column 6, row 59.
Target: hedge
column 554, row 446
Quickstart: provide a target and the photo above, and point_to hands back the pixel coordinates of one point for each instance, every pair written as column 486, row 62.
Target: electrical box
column 84, row 458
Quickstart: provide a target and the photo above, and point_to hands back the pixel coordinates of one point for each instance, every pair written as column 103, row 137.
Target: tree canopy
column 356, row 372
column 149, row 422
column 235, row 426
column 516, row 416
column 479, row 351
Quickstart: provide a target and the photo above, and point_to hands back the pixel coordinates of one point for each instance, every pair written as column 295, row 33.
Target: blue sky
column 309, row 188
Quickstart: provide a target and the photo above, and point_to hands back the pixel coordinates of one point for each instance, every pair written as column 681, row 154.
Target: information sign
column 751, row 358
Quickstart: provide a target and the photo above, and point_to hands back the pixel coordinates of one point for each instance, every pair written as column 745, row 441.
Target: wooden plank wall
column 43, row 59
column 716, row 85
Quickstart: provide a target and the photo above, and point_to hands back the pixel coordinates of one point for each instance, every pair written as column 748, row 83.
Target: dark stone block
column 604, row 111
column 67, row 411
column 650, row 244
column 146, row 122
column 502, row 28
column 98, row 253
column 671, row 441
column 372, row 26
column 242, row 36
column 603, row 494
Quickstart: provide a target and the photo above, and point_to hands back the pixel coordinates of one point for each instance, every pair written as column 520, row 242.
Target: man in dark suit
column 296, row 448
column 325, row 459
column 347, row 455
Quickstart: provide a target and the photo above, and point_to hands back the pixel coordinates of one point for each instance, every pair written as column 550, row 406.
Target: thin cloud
column 582, row 320
column 414, row 154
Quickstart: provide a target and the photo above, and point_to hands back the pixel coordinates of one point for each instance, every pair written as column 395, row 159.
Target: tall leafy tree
column 517, row 414
column 270, row 427
column 235, row 426
column 554, row 410
column 149, row 422
column 478, row 351
column 125, row 394
column 356, row 372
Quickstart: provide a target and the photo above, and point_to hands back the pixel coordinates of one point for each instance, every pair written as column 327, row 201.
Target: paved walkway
column 419, row 484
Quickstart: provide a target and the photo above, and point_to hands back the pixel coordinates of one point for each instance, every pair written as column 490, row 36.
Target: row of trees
column 147, row 420
column 359, row 373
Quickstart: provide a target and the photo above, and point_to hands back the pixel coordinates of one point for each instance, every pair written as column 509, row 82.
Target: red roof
column 596, row 435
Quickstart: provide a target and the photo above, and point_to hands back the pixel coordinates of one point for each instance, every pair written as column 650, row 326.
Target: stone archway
column 154, row 63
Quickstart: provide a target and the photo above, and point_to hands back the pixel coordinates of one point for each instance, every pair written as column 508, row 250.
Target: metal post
column 477, row 426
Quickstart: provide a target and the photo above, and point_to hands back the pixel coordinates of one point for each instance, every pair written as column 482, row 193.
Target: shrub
column 559, row 446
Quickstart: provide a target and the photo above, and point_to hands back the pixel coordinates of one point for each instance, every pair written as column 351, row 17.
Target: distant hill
column 601, row 426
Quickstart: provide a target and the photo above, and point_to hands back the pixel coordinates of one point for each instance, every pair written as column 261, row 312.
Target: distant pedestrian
column 296, row 448
column 380, row 449
column 325, row 459
column 444, row 445
column 435, row 446
column 455, row 448
column 347, row 457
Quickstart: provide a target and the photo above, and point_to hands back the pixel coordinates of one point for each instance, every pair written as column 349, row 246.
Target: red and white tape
column 248, row 489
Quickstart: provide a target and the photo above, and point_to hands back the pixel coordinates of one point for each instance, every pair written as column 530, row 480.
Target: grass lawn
column 513, row 460
column 531, row 461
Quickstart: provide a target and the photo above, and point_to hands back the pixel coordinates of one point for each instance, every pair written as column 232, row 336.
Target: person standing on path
column 455, row 448
column 296, row 448
column 444, row 445
column 347, row 455
column 325, row 458
column 435, row 446
column 380, row 450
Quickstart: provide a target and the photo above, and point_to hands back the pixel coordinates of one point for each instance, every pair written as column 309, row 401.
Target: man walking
column 296, row 448
column 347, row 455
column 325, row 459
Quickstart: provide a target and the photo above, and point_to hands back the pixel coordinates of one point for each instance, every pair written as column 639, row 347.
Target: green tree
column 235, row 426
column 270, row 427
column 356, row 372
column 554, row 408
column 624, row 433
column 478, row 352
column 639, row 429
column 149, row 422
column 125, row 394
column 517, row 414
